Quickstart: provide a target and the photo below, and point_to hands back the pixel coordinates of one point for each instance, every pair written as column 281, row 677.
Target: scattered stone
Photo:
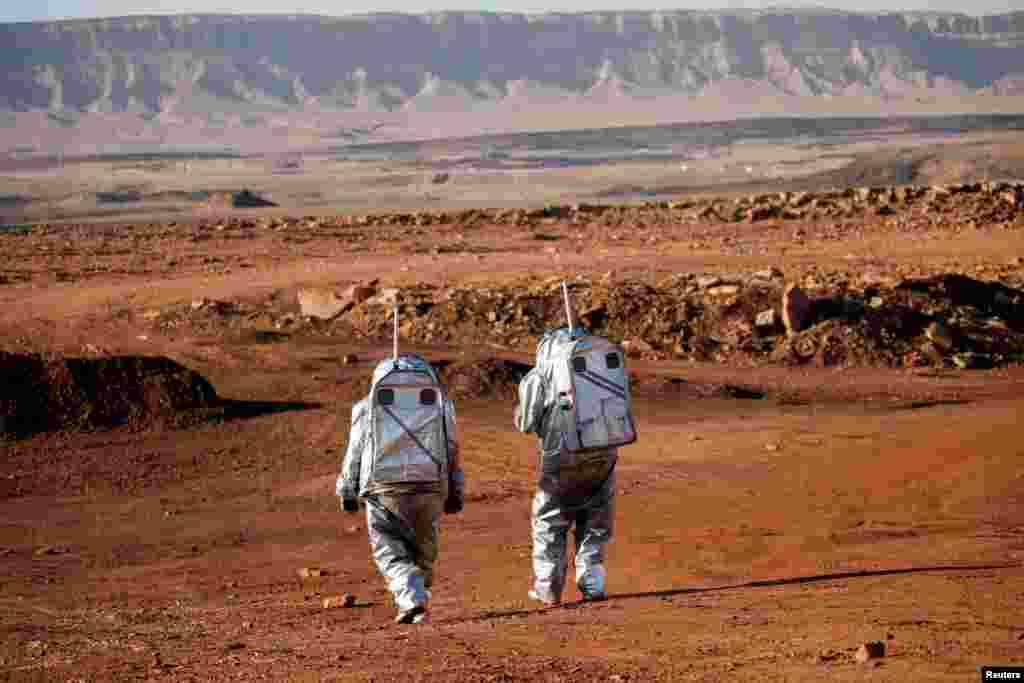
column 636, row 346
column 766, row 320
column 868, row 651
column 772, row 447
column 939, row 335
column 385, row 297
column 336, row 601
column 769, row 274
column 199, row 303
column 708, row 281
column 311, row 573
column 969, row 360
column 724, row 290
column 796, row 309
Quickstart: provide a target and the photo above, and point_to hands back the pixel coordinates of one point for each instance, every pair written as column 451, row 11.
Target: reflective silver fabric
column 359, row 473
column 403, row 533
column 574, row 489
column 408, row 435
column 593, row 517
column 561, row 472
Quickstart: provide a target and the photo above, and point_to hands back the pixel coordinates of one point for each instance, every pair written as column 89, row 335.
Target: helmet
column 405, row 361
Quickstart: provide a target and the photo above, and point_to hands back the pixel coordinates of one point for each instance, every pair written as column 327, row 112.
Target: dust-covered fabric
column 357, row 479
column 593, row 517
column 574, row 489
column 404, row 535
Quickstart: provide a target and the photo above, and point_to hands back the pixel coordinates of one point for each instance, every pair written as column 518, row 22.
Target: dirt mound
column 479, row 378
column 40, row 393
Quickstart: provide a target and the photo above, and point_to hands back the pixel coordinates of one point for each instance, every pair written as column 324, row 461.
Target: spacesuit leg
column 550, row 527
column 397, row 550
column 595, row 522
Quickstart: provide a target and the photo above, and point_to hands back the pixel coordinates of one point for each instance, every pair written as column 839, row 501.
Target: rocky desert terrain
column 829, row 481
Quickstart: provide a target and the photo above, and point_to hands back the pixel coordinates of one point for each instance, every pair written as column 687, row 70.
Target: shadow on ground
column 767, row 583
column 241, row 410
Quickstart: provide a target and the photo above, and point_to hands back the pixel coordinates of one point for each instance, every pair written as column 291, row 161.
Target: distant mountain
column 454, row 61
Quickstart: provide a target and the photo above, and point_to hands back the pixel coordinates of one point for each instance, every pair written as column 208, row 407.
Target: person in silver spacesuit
column 403, row 462
column 573, row 489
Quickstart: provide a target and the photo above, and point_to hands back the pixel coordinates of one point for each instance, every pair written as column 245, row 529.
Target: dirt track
column 764, row 538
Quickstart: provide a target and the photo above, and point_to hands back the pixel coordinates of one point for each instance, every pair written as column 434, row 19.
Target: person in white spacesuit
column 403, row 462
column 574, row 488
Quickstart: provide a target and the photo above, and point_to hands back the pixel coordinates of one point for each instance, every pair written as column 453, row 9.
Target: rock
column 939, row 335
column 335, row 601
column 771, row 447
column 972, row 361
column 248, row 200
column 311, row 573
column 769, row 274
column 349, row 359
column 868, row 651
column 796, row 309
column 440, row 178
column 708, row 281
column 636, row 345
column 199, row 303
column 724, row 290
column 766, row 320
column 360, row 293
column 322, row 303
column 386, row 297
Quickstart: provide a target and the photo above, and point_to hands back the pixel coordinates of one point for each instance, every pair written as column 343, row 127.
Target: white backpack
column 407, row 424
column 589, row 386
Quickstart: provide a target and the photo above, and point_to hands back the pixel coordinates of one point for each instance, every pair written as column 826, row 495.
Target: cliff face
column 453, row 60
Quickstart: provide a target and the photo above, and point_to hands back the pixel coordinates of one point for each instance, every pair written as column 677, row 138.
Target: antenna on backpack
column 395, row 352
column 568, row 308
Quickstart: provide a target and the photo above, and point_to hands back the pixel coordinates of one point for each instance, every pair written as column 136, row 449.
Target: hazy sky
column 15, row 10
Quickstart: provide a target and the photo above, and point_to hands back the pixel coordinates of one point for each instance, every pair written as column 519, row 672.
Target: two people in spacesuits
column 402, row 460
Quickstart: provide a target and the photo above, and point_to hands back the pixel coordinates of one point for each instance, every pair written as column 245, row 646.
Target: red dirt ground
column 756, row 539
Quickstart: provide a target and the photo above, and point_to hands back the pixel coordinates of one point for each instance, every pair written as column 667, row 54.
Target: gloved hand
column 350, row 505
column 452, row 505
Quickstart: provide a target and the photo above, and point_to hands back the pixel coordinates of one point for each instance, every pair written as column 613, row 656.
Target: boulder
column 323, row 303
column 873, row 650
column 797, row 309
